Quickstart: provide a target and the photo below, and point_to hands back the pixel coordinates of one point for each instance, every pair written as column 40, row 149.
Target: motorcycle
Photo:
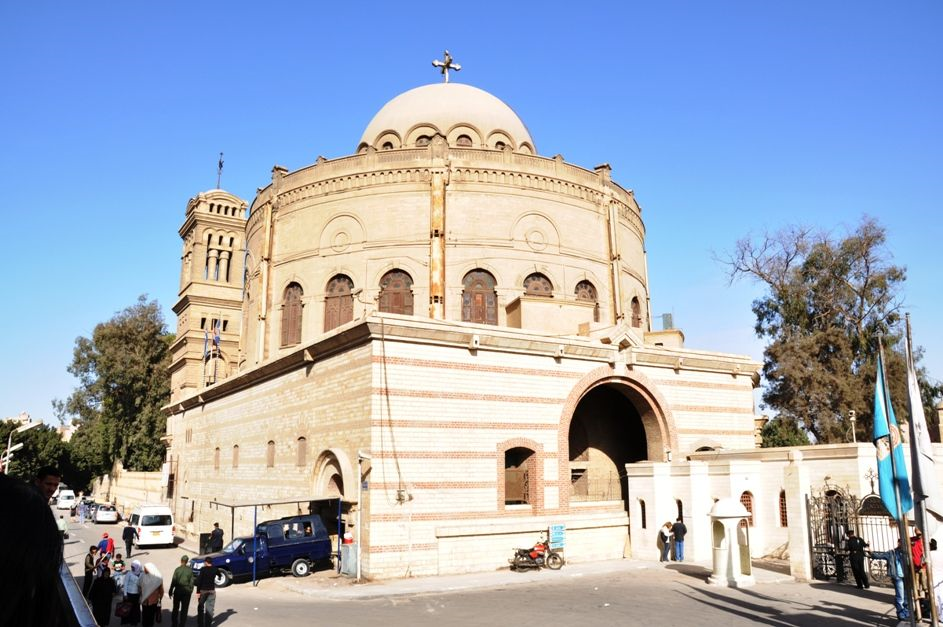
column 538, row 556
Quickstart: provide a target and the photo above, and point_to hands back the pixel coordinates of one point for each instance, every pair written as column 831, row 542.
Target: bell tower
column 209, row 306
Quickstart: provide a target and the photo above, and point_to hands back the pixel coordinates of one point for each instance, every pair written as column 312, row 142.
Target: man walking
column 90, row 564
column 678, row 530
column 181, row 588
column 895, row 569
column 855, row 547
column 206, row 594
column 216, row 538
column 128, row 535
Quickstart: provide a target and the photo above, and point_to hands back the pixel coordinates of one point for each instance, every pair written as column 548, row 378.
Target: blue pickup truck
column 293, row 544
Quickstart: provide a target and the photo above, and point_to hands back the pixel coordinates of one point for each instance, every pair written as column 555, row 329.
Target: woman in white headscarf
column 132, row 594
column 152, row 590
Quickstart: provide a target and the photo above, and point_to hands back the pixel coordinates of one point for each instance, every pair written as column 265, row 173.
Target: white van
column 66, row 499
column 154, row 524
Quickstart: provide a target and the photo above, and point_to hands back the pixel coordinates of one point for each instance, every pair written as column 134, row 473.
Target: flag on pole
column 926, row 486
column 887, row 442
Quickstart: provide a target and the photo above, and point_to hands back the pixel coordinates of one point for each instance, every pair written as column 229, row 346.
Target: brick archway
column 656, row 418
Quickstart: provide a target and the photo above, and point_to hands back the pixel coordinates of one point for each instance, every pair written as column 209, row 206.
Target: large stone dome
column 464, row 115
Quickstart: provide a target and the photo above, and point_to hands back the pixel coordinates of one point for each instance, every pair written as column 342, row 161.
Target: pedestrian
column 128, row 535
column 206, row 594
column 102, row 594
column 119, row 572
column 895, row 569
column 152, row 591
column 132, row 594
column 855, row 547
column 80, row 511
column 91, row 561
column 664, row 541
column 32, row 556
column 678, row 530
column 46, row 481
column 181, row 589
column 216, row 539
column 921, row 585
column 106, row 546
column 63, row 527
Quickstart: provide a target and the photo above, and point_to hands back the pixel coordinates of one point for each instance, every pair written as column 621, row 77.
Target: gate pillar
column 796, row 485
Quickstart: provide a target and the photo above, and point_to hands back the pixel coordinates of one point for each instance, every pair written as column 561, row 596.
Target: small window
column 338, row 302
column 387, row 146
column 464, row 140
column 517, row 463
column 500, row 145
column 538, row 285
column 270, row 454
column 783, row 516
column 636, row 313
column 747, row 500
column 291, row 314
column 423, row 140
column 396, row 294
column 479, row 298
column 235, row 456
column 643, row 516
column 586, row 292
column 302, row 451
column 216, row 459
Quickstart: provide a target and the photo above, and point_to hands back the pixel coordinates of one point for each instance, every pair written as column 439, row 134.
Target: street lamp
column 10, row 449
column 852, row 416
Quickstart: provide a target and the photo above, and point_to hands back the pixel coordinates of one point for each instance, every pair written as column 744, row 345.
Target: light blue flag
column 885, row 428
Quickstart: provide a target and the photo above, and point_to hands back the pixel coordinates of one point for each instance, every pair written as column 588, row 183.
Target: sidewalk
column 338, row 587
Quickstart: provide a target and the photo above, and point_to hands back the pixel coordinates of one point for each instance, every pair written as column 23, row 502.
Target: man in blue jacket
column 895, row 569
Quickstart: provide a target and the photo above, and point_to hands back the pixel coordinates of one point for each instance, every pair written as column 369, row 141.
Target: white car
column 106, row 514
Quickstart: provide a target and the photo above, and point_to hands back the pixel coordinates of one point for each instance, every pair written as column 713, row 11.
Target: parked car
column 154, row 524
column 66, row 499
column 293, row 544
column 105, row 513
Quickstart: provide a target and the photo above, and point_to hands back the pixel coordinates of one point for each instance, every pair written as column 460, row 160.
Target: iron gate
column 832, row 512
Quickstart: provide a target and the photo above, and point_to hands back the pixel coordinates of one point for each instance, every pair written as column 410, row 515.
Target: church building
column 448, row 331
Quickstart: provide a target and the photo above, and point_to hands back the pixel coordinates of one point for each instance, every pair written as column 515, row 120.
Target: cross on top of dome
column 446, row 65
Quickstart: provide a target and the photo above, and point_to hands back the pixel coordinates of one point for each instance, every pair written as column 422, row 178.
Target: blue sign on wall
column 557, row 536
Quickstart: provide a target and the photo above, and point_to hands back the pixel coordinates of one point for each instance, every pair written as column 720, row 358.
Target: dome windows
column 423, row 140
column 537, row 284
column 464, row 141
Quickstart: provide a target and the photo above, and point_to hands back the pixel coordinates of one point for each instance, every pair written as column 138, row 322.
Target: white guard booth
column 731, row 545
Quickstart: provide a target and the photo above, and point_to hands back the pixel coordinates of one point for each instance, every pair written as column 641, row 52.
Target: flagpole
column 906, row 552
column 922, row 511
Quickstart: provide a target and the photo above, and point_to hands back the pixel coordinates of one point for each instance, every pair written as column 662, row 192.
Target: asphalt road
column 643, row 594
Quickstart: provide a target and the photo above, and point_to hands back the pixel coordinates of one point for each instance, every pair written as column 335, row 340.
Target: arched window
column 338, row 302
column 396, row 294
column 586, row 292
column 479, row 299
column 387, row 146
column 235, row 456
column 463, row 140
column 643, row 515
column 423, row 140
column 216, row 459
column 783, row 516
column 291, row 315
column 537, row 284
column 636, row 312
column 302, row 452
column 747, row 499
column 500, row 145
column 270, row 454
column 517, row 475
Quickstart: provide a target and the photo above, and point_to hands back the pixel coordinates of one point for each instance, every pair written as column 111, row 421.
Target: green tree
column 41, row 446
column 123, row 382
column 827, row 302
column 781, row 431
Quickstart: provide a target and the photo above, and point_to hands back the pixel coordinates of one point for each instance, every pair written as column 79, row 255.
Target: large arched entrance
column 613, row 421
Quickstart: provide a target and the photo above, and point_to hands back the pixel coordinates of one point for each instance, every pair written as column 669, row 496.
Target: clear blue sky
column 724, row 117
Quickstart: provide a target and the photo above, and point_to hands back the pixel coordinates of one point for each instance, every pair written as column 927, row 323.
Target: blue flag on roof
column 887, row 442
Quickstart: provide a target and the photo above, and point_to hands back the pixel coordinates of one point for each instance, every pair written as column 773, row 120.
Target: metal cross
column 446, row 65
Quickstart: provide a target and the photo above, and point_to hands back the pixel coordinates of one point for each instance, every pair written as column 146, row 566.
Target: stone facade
column 472, row 316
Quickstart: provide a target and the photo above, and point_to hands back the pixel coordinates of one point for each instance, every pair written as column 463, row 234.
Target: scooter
column 538, row 556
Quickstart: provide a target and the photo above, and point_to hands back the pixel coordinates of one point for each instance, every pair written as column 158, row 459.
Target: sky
column 726, row 118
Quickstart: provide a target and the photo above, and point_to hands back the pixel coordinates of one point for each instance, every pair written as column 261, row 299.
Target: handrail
column 74, row 609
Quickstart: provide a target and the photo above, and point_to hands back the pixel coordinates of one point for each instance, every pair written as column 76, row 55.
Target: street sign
column 557, row 536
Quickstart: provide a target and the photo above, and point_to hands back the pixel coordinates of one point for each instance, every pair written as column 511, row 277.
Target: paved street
column 624, row 592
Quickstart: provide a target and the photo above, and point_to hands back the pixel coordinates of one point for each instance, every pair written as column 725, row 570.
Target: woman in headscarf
column 102, row 594
column 132, row 594
column 152, row 590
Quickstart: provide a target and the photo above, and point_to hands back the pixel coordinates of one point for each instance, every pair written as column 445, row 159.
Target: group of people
column 897, row 569
column 142, row 590
column 672, row 534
